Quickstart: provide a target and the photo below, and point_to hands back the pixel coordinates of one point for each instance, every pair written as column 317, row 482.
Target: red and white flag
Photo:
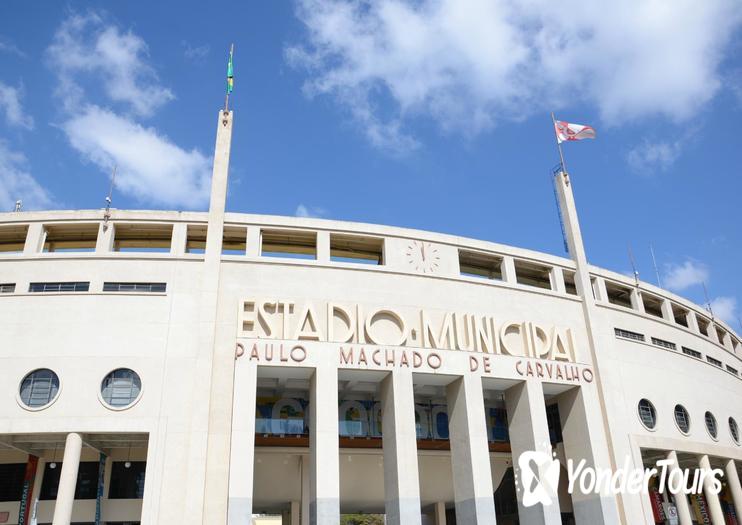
column 566, row 131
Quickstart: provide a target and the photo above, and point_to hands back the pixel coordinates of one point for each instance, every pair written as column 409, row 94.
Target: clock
column 423, row 257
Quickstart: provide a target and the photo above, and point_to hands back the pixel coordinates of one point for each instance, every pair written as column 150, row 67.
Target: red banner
column 24, row 512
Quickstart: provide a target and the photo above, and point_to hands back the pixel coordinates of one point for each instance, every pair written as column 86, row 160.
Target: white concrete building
column 185, row 368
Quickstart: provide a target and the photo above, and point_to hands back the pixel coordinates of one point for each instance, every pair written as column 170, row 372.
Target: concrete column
column 34, row 239
column 667, row 313
column 401, row 480
column 579, row 412
column 636, row 300
column 324, row 460
column 323, row 246
column 68, row 480
column 556, row 276
column 712, row 498
column 470, row 457
column 681, row 500
column 254, row 239
column 529, row 431
column 242, row 456
column 104, row 243
column 305, row 490
column 179, row 238
column 690, row 318
column 295, row 512
column 599, row 291
column 508, row 270
column 440, row 513
column 730, row 471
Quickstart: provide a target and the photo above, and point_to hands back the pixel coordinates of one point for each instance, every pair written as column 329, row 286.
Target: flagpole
column 559, row 144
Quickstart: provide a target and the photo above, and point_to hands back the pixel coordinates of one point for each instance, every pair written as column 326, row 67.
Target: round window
column 734, row 430
column 711, row 424
column 39, row 388
column 682, row 419
column 121, row 388
column 647, row 414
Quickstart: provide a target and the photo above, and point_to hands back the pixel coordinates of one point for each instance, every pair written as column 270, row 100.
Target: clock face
column 423, row 257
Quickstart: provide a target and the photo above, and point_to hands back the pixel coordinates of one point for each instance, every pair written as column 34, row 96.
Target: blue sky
column 424, row 114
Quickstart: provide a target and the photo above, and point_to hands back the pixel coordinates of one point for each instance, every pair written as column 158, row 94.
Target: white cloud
column 680, row 277
column 469, row 64
column 6, row 46
column 10, row 104
column 309, row 211
column 114, row 60
column 195, row 54
column 651, row 157
column 16, row 183
column 725, row 308
column 149, row 166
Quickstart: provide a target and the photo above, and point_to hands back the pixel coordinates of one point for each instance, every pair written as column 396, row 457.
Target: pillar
column 323, row 246
column 730, row 471
column 324, row 450
column 305, row 483
column 440, row 513
column 242, row 455
column 583, row 435
column 295, row 511
column 470, row 457
column 401, row 479
column 681, row 500
column 529, row 431
column 68, row 480
column 712, row 498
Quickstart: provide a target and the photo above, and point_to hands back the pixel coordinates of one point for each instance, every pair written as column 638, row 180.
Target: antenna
column 107, row 213
column 633, row 266
column 18, row 205
column 654, row 262
column 708, row 302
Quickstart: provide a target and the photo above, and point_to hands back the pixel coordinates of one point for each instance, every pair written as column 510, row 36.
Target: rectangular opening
column 196, row 238
column 721, row 334
column 680, row 315
column 142, row 237
column 713, row 361
column 234, row 240
column 617, row 294
column 732, row 370
column 665, row 344
column 292, row 244
column 703, row 325
column 7, row 287
column 692, row 353
column 135, row 287
column 477, row 264
column 354, row 249
column 532, row 274
column 569, row 282
column 13, row 238
column 70, row 237
column 628, row 334
column 652, row 304
column 59, row 287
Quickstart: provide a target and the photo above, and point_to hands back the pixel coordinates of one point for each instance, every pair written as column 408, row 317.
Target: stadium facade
column 182, row 368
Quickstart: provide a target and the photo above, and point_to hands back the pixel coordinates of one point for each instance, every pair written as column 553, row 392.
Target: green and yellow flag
column 230, row 72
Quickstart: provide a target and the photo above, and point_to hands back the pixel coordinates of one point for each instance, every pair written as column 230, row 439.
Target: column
column 399, row 439
column 712, row 498
column 730, row 471
column 295, row 511
column 242, row 454
column 305, row 490
column 582, row 430
column 680, row 499
column 68, row 480
column 470, row 456
column 529, row 431
column 324, row 487
column 440, row 513
column 323, row 246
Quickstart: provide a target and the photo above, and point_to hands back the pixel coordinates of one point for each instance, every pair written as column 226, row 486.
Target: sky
column 430, row 114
